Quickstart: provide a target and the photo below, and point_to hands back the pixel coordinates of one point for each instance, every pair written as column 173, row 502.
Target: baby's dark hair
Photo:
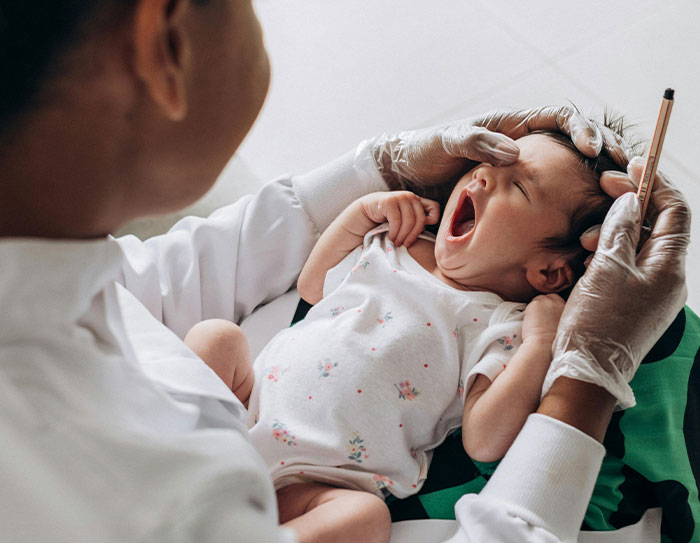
column 595, row 203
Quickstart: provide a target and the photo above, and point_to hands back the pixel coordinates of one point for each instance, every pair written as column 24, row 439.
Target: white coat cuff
column 326, row 191
column 548, row 474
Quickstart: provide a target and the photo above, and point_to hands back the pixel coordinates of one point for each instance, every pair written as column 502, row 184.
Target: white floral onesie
column 359, row 393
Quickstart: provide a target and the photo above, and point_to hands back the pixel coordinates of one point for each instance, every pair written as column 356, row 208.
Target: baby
column 413, row 335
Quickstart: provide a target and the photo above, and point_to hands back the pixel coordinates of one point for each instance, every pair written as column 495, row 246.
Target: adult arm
column 622, row 305
column 246, row 253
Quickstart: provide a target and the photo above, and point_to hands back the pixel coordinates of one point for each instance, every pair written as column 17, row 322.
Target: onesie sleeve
column 247, row 253
column 495, row 357
column 490, row 352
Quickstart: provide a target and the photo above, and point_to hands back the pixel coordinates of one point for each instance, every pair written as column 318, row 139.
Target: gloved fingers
column 589, row 239
column 662, row 257
column 616, row 183
column 620, row 232
column 668, row 210
column 517, row 123
column 585, row 134
column 615, row 146
column 462, row 140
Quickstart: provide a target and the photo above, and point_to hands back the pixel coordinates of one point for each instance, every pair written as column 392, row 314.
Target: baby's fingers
column 431, row 210
column 392, row 211
column 408, row 220
column 426, row 212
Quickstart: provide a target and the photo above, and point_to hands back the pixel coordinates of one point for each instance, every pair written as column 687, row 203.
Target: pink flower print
column 406, row 391
column 273, row 373
column 325, row 366
column 337, row 311
column 386, row 318
column 455, row 332
column 507, row 342
column 389, row 246
column 362, row 264
column 460, row 387
column 382, row 481
column 356, row 449
column 414, row 453
column 281, row 433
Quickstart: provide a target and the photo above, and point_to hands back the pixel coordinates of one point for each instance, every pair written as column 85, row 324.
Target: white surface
column 343, row 71
column 422, row 531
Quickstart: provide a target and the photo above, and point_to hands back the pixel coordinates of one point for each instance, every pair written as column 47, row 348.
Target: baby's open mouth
column 463, row 218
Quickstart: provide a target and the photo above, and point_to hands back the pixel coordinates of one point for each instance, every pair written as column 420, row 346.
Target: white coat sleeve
column 539, row 492
column 244, row 254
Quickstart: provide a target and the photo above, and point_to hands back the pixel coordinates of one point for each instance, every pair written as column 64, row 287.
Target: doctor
column 111, row 429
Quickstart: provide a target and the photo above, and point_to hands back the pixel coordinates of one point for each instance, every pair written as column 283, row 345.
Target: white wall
column 346, row 70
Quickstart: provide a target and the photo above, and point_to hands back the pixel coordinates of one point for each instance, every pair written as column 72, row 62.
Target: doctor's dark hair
column 594, row 205
column 34, row 39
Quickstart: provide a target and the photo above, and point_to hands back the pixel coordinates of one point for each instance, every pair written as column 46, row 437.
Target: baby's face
column 497, row 217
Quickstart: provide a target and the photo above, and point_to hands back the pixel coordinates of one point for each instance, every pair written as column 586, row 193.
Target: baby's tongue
column 462, row 228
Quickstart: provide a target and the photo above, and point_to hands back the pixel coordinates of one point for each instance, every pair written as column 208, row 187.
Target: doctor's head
column 515, row 229
column 164, row 90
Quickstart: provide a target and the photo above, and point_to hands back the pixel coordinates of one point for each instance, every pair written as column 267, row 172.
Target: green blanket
column 653, row 450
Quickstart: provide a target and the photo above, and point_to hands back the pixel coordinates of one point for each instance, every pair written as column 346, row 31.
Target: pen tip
column 668, row 94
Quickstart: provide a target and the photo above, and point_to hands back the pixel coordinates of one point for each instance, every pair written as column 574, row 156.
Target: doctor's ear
column 550, row 274
column 161, row 51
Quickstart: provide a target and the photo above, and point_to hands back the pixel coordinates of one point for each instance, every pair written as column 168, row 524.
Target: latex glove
column 615, row 184
column 625, row 300
column 429, row 157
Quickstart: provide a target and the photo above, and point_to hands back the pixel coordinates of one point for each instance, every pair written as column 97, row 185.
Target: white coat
column 112, row 430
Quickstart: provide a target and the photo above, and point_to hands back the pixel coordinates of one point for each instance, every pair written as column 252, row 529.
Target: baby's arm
column 495, row 412
column 406, row 213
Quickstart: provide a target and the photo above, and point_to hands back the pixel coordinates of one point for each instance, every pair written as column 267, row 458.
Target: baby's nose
column 484, row 184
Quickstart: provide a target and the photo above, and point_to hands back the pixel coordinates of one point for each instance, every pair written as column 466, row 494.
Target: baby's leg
column 223, row 346
column 320, row 513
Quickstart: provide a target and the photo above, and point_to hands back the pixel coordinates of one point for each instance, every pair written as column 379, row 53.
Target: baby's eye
column 520, row 187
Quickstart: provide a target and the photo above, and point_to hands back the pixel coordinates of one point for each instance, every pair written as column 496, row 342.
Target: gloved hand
column 615, row 184
column 626, row 299
column 431, row 157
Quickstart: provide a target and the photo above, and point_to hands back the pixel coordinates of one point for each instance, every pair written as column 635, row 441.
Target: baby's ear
column 550, row 274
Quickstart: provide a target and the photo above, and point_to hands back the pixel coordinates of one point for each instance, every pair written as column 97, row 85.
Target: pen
column 655, row 151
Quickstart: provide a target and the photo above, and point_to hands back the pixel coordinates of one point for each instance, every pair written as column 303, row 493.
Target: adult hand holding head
column 626, row 298
column 440, row 155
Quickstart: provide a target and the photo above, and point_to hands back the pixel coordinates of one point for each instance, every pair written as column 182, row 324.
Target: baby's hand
column 541, row 318
column 406, row 212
